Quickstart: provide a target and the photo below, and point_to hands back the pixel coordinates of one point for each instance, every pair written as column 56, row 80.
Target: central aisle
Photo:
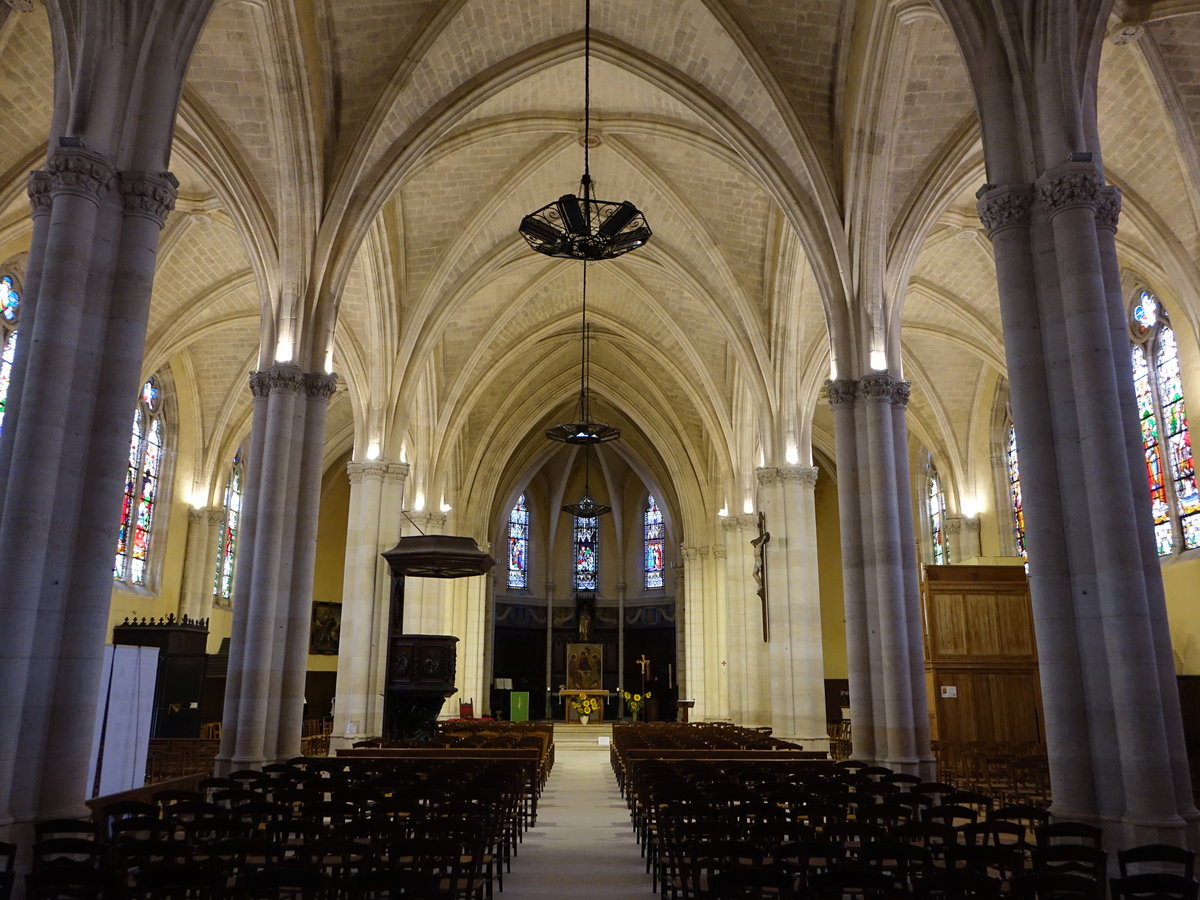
column 583, row 845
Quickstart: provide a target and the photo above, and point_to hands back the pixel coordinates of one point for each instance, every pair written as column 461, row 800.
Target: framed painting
column 326, row 628
column 585, row 667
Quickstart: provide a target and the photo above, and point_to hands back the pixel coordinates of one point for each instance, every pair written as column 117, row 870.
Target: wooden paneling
column 980, row 645
column 991, row 705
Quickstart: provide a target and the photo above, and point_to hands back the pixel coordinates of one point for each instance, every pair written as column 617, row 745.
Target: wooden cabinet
column 981, row 656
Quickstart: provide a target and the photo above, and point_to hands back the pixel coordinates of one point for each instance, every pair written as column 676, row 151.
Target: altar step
column 595, row 736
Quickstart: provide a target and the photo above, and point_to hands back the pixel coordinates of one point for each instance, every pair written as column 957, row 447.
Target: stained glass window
column 1163, row 415
column 1014, row 491
column 518, row 545
column 10, row 312
column 587, row 539
column 655, row 536
column 935, row 500
column 230, row 527
column 141, row 487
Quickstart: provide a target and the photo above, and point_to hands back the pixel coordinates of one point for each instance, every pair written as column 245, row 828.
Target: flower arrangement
column 584, row 705
column 635, row 702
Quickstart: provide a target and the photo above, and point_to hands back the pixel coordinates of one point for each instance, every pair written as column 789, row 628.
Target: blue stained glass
column 1167, row 443
column 141, row 489
column 10, row 300
column 227, row 543
column 518, row 545
column 586, row 553
column 6, row 360
column 654, row 537
column 936, row 502
column 1014, row 491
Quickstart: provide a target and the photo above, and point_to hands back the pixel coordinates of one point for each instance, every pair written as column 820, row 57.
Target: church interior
column 830, row 392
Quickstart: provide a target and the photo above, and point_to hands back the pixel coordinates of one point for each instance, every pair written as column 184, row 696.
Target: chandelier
column 581, row 226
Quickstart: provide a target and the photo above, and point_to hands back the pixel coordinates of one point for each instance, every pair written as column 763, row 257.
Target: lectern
column 421, row 667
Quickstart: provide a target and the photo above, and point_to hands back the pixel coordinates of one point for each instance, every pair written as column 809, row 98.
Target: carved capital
column 877, row 388
column 397, row 473
column 841, row 393
column 718, row 551
column 731, row 523
column 196, row 516
column 370, row 469
column 1108, row 207
column 690, row 554
column 971, row 523
column 953, row 525
column 767, row 477
column 40, row 184
column 1005, row 207
column 80, row 173
column 216, row 516
column 1069, row 187
column 276, row 379
column 428, row 522
column 148, row 196
column 320, row 386
column 901, row 391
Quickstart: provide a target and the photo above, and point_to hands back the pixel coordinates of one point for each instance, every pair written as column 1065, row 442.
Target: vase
column 583, row 720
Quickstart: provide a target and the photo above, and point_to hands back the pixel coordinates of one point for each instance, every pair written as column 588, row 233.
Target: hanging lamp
column 581, row 226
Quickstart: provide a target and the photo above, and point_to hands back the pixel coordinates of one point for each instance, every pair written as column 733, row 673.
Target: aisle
column 583, row 844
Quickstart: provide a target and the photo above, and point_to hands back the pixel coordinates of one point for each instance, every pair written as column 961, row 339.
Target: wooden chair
column 957, row 884
column 1068, row 833
column 67, row 883
column 1056, row 886
column 1153, row 886
column 840, row 884
column 1156, row 858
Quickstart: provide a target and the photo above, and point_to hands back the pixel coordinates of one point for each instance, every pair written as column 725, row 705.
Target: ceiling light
column 581, row 226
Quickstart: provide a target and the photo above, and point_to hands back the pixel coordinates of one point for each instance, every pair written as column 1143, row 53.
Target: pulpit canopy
column 438, row 556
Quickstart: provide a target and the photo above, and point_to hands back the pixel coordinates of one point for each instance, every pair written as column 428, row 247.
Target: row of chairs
column 338, row 829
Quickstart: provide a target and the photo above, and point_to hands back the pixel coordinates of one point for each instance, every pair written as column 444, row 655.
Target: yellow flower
column 627, row 695
column 647, row 695
column 637, row 696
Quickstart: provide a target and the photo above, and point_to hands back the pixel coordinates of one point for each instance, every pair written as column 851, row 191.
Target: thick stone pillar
column 716, row 634
column 797, row 664
column 99, row 207
column 1115, row 748
column 200, row 562
column 268, row 658
column 748, row 690
column 883, row 615
column 376, row 491
column 694, row 662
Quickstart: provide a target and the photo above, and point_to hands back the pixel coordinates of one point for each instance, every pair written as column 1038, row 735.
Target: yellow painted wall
column 829, row 568
column 332, row 523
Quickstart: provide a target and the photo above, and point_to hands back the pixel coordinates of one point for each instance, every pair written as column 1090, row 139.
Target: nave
column 583, row 844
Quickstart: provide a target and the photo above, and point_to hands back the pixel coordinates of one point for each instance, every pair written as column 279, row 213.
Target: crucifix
column 760, row 572
column 643, row 665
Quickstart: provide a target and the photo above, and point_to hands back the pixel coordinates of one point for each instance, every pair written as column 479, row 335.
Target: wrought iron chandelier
column 580, row 226
column 584, row 431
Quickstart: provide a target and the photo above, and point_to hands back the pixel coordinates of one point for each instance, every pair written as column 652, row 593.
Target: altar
column 569, row 714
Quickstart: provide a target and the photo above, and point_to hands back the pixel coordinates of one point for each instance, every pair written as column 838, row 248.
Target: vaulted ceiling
column 366, row 162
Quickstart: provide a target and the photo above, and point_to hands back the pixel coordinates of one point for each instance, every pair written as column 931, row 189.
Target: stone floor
column 583, row 845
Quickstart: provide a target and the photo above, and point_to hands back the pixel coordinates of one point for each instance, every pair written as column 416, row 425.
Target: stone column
column 744, row 626
column 268, row 659
column 621, row 643
column 883, row 624
column 99, row 207
column 200, row 563
column 842, row 396
column 797, row 667
column 693, row 656
column 366, row 589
